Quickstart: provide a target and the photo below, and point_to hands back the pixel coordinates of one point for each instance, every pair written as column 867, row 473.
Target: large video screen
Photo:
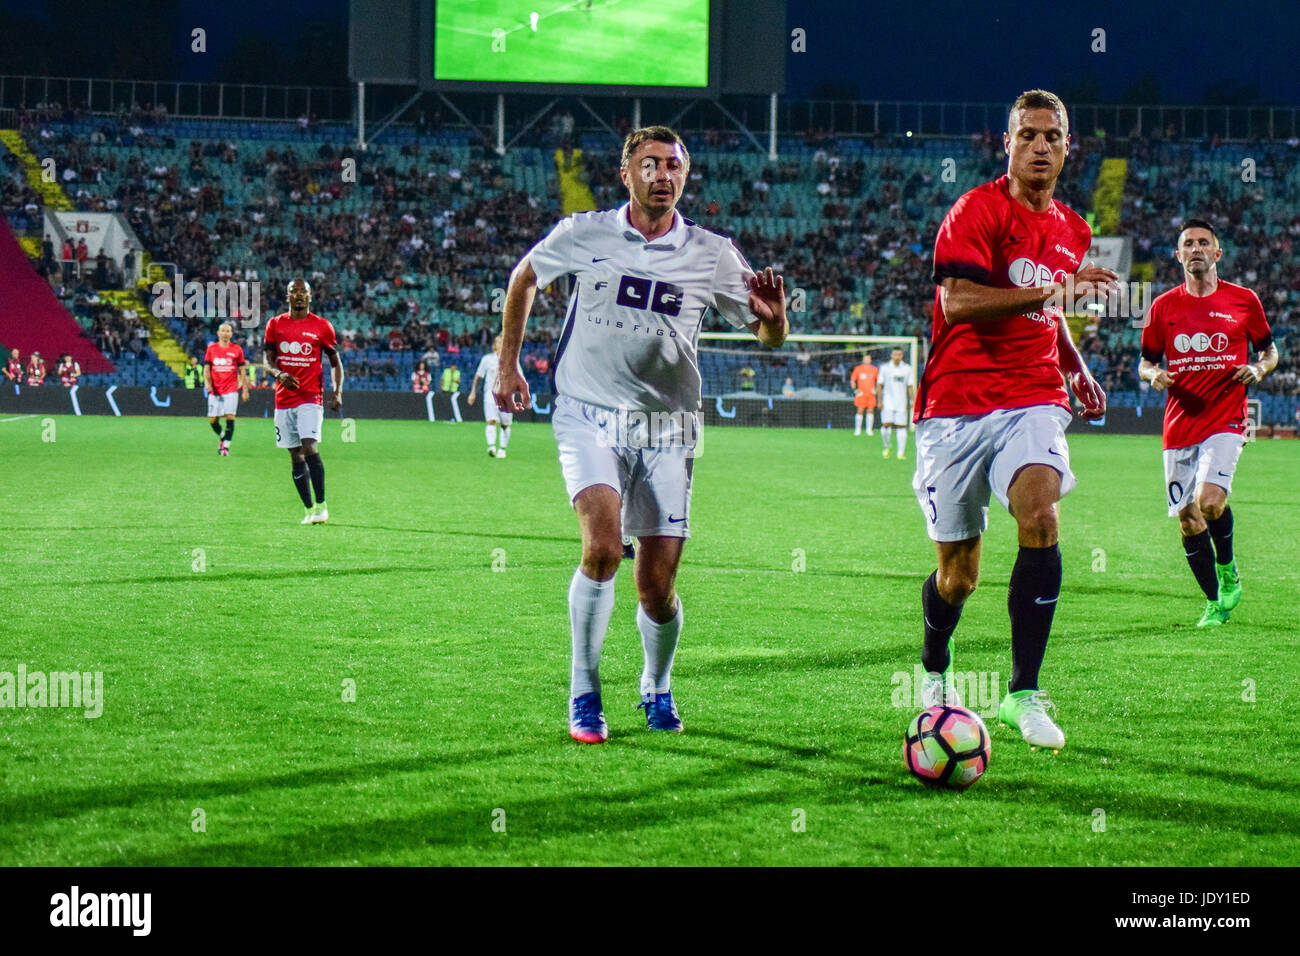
column 589, row 42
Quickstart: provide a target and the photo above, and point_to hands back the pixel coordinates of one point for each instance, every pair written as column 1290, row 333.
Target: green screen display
column 606, row 42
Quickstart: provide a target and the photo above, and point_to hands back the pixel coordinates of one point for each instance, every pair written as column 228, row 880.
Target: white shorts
column 655, row 482
column 1186, row 469
column 292, row 425
column 894, row 416
column 219, row 405
column 960, row 460
column 493, row 414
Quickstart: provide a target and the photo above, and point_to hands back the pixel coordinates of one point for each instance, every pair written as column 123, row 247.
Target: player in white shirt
column 897, row 388
column 487, row 374
column 627, row 384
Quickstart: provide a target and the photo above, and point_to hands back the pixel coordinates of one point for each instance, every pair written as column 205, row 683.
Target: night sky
column 1189, row 52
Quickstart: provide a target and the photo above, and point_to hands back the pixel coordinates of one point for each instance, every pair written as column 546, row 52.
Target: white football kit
column 627, row 375
column 894, row 381
column 489, row 367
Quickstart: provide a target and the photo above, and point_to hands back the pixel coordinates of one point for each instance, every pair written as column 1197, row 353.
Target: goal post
column 804, row 383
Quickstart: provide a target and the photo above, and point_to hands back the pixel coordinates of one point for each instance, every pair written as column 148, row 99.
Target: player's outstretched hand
column 1246, row 374
column 512, row 393
column 1092, row 279
column 287, row 380
column 1162, row 380
column 767, row 296
column 1086, row 390
column 471, row 398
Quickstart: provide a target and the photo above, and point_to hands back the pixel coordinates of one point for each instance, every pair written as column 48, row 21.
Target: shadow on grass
column 265, row 574
column 572, row 539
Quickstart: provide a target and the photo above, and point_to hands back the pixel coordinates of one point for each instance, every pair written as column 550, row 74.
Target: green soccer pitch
column 616, row 42
column 226, row 634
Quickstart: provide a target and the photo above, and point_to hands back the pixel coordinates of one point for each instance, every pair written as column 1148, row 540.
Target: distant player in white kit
column 897, row 386
column 487, row 374
column 627, row 384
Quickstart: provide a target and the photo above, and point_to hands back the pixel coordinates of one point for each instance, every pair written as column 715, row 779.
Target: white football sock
column 884, row 435
column 659, row 641
column 857, row 425
column 590, row 605
column 492, row 436
column 505, row 435
column 902, row 440
column 870, row 423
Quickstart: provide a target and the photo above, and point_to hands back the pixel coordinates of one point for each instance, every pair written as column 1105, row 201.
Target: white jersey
column 488, row 366
column 636, row 307
column 894, row 380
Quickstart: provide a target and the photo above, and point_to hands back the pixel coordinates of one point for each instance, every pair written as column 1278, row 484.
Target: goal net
column 803, row 384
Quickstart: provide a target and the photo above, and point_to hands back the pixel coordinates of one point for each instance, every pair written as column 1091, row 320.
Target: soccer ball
column 947, row 747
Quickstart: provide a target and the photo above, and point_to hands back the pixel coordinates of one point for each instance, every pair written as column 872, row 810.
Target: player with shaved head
column 294, row 343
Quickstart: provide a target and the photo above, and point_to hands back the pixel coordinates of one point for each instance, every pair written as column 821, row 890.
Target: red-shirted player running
column 294, row 342
column 1206, row 328
column 992, row 408
column 225, row 377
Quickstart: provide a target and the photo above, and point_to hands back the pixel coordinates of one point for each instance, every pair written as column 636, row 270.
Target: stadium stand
column 410, row 260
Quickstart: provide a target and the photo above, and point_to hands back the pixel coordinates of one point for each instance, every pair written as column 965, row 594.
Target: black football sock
column 317, row 469
column 940, row 621
column 216, row 428
column 301, row 482
column 1031, row 601
column 230, row 430
column 1200, row 555
column 1221, row 533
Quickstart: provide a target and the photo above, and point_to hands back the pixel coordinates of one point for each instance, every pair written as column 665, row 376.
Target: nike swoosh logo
column 672, row 520
column 1015, row 238
column 1225, row 476
column 1053, row 451
column 1046, row 600
column 602, row 258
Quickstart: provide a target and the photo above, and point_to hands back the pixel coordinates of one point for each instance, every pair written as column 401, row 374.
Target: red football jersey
column 979, row 367
column 1205, row 338
column 298, row 345
column 14, row 370
column 225, row 361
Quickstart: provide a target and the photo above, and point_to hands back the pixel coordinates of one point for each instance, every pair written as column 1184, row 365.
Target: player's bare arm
column 1085, row 388
column 519, row 302
column 277, row 375
column 336, row 372
column 473, row 389
column 965, row 300
column 1155, row 374
column 244, row 383
column 767, row 305
column 1254, row 373
column 207, row 379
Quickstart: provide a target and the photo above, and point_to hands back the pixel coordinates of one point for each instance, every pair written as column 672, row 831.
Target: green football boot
column 1027, row 712
column 1229, row 586
column 1215, row 614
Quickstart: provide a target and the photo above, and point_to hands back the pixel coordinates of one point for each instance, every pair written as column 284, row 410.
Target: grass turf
column 223, row 686
column 606, row 44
